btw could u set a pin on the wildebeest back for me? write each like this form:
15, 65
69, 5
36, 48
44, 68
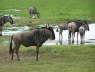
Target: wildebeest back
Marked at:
34, 38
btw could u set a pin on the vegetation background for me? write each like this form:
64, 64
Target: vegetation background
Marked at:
52, 11
52, 58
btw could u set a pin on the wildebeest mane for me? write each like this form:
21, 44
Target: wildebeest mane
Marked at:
39, 36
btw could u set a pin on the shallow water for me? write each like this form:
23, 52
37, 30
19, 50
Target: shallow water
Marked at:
12, 30
89, 36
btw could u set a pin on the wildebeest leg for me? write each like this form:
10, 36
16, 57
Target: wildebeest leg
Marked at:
12, 54
61, 38
1, 30
77, 37
73, 35
82, 38
15, 49
17, 52
38, 15
37, 53
30, 13
34, 15
60, 35
69, 37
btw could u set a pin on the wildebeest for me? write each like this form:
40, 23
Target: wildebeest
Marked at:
60, 29
33, 12
82, 30
73, 26
34, 38
4, 20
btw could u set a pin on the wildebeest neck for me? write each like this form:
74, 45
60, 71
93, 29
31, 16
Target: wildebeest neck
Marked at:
53, 34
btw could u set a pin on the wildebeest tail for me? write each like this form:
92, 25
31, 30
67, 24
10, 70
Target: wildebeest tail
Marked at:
10, 49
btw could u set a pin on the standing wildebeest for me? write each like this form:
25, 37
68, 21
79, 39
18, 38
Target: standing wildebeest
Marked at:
82, 30
35, 38
4, 20
33, 12
73, 26
60, 28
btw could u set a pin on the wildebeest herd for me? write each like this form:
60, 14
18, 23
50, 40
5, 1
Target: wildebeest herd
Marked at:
39, 35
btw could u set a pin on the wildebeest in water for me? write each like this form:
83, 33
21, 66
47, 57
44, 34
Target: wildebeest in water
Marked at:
33, 12
73, 27
34, 38
60, 29
82, 30
4, 20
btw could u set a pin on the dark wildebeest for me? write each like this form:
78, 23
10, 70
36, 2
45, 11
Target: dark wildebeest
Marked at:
35, 38
33, 12
82, 30
4, 20
60, 29
73, 26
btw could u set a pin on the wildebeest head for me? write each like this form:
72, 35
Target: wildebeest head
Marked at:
72, 26
53, 34
86, 25
6, 19
10, 20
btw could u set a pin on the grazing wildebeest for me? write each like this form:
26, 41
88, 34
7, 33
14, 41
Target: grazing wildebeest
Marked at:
33, 12
4, 20
73, 26
60, 29
35, 38
82, 30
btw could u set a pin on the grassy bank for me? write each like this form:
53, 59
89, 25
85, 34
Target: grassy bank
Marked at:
52, 11
51, 59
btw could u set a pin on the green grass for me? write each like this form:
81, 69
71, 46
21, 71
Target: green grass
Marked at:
51, 59
52, 11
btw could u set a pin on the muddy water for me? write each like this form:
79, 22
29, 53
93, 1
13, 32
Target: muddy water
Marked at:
89, 36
